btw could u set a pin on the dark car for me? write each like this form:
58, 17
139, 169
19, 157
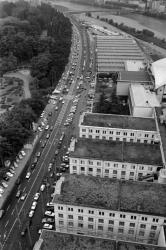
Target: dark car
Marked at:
6, 178
33, 165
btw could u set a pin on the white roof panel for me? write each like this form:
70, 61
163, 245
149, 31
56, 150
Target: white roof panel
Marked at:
159, 71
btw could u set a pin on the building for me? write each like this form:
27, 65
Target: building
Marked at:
118, 127
126, 78
142, 102
107, 208
158, 69
114, 159
132, 65
113, 51
54, 240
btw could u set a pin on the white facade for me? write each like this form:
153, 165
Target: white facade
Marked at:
106, 223
110, 169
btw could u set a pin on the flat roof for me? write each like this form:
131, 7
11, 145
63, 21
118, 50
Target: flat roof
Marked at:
112, 194
55, 240
119, 121
145, 98
118, 151
137, 76
132, 65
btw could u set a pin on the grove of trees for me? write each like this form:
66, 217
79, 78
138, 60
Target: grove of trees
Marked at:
40, 38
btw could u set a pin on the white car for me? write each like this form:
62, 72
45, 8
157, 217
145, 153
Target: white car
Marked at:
47, 226
42, 187
9, 174
28, 175
23, 197
34, 204
20, 156
50, 204
47, 127
40, 129
15, 164
1, 190
49, 213
31, 213
56, 108
36, 196
23, 152
4, 184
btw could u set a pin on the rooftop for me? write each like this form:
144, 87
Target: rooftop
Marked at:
134, 65
135, 76
119, 121
146, 98
111, 194
57, 241
117, 151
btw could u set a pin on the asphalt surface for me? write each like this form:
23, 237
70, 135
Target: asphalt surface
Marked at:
16, 218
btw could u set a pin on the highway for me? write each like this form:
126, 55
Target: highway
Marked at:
16, 216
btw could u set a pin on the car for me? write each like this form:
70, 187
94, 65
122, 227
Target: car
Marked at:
40, 129
47, 136
50, 204
34, 204
15, 164
33, 165
63, 102
47, 127
50, 166
51, 128
23, 197
47, 226
54, 102
4, 184
37, 155
18, 193
11, 171
49, 213
36, 196
28, 175
9, 174
60, 99
48, 220
56, 152
39, 231
23, 152
6, 178
50, 113
1, 190
20, 156
31, 213
43, 144
12, 167
42, 187
56, 108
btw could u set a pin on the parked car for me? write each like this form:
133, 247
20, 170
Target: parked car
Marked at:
4, 184
18, 193
6, 178
34, 204
9, 174
38, 154
31, 213
47, 136
47, 226
23, 197
42, 187
36, 196
49, 213
28, 175
23, 152
48, 220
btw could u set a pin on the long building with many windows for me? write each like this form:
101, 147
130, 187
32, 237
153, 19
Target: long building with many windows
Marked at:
118, 128
114, 159
132, 211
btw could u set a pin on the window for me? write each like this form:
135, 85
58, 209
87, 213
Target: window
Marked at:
61, 222
114, 171
80, 225
107, 164
101, 213
70, 216
80, 217
131, 231
60, 215
123, 172
60, 208
111, 222
90, 219
153, 227
90, 169
107, 171
110, 229
121, 223
132, 166
98, 163
132, 224
112, 214
70, 224
90, 226
104, 132
90, 162
82, 162
82, 169
74, 161
101, 221
74, 168
144, 218
141, 167
118, 133
146, 135
103, 137
133, 217
70, 209
111, 132
125, 133
155, 220
131, 134
143, 226
122, 216
131, 173
83, 130
80, 210
97, 131
120, 230
100, 228
141, 233
98, 170
150, 168
152, 234
91, 212
90, 131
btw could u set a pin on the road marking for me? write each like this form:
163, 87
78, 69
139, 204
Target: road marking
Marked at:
6, 223
25, 187
12, 211
8, 207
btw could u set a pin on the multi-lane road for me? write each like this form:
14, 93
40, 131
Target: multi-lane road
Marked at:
16, 216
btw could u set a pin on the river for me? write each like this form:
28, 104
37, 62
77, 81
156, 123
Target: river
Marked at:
136, 21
